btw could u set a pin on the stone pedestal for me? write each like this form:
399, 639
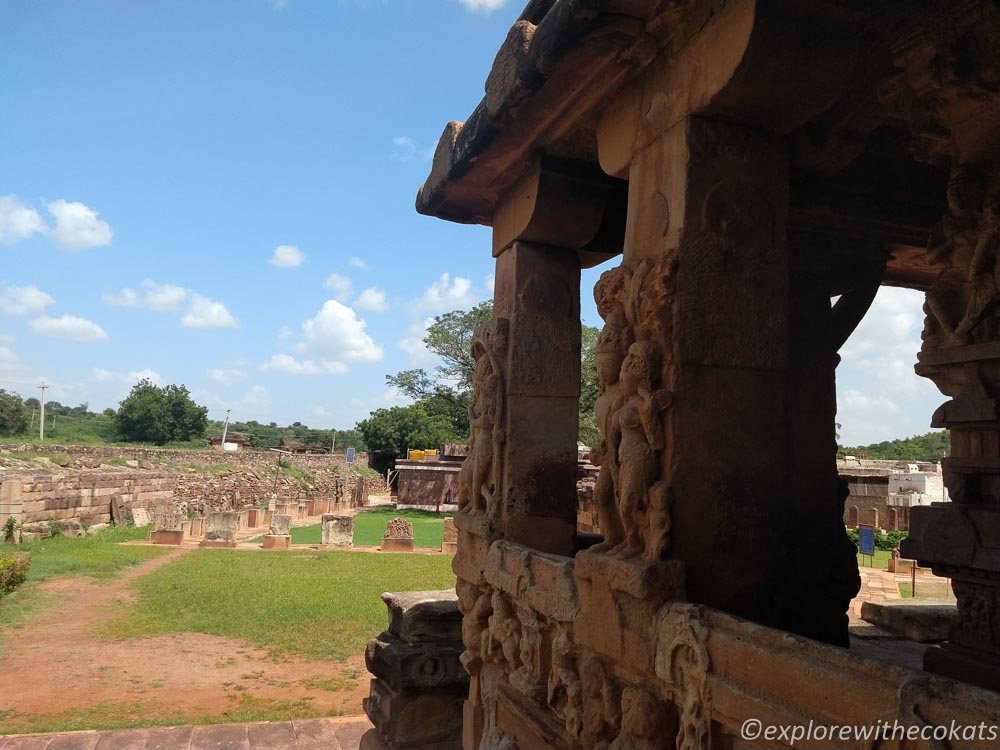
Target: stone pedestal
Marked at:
277, 541
338, 531
221, 529
397, 545
281, 525
167, 536
449, 544
419, 682
398, 536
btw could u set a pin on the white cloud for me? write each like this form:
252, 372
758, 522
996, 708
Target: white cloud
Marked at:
372, 299
17, 221
485, 6
413, 343
68, 327
341, 286
208, 313
287, 363
407, 150
357, 263
255, 399
23, 300
490, 282
129, 378
287, 256
226, 375
285, 334
199, 311
9, 361
447, 294
337, 334
78, 226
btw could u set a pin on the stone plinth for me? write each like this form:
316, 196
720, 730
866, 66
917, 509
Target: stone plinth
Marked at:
255, 518
285, 509
222, 527
419, 683
302, 510
338, 531
280, 525
398, 536
217, 543
167, 536
449, 545
197, 527
277, 541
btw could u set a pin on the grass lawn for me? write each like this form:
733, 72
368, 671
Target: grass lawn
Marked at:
881, 560
428, 526
369, 527
318, 604
99, 556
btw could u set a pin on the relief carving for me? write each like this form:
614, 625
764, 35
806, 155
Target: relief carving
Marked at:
601, 704
682, 663
645, 723
632, 500
565, 691
476, 605
479, 477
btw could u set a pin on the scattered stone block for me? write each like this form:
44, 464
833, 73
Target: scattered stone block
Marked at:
277, 541
338, 531
449, 544
221, 528
281, 525
416, 616
914, 621
167, 536
398, 536
97, 528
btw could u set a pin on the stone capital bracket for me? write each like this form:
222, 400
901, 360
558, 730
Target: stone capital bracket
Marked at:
563, 203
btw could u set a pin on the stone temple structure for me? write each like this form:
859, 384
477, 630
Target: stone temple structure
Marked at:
751, 160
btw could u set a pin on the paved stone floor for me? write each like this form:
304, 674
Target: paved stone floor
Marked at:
305, 734
876, 586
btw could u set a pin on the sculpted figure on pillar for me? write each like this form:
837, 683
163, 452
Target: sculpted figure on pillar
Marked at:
610, 350
478, 491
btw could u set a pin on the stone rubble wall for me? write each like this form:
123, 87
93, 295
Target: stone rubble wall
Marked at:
94, 455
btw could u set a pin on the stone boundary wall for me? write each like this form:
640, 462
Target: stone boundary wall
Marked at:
874, 510
84, 495
246, 459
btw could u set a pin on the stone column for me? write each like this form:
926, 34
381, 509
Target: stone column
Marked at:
537, 291
711, 401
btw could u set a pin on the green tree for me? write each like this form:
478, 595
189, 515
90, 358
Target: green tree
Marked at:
400, 427
150, 414
14, 415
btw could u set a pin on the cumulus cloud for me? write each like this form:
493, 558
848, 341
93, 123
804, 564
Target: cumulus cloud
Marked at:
198, 310
483, 6
23, 300
287, 363
78, 226
448, 293
9, 361
287, 256
337, 334
413, 342
226, 375
68, 327
341, 286
357, 263
372, 299
17, 221
208, 313
406, 149
131, 377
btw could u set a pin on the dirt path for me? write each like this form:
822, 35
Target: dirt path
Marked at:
58, 663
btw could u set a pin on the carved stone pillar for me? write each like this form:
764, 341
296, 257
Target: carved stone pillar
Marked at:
712, 396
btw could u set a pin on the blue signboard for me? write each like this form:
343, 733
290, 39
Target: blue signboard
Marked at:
866, 539
350, 456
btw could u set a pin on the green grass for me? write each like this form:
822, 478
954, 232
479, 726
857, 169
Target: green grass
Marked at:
881, 560
323, 605
245, 707
99, 556
428, 527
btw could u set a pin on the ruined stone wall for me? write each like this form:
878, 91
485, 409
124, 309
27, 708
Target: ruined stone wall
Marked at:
88, 496
94, 455
427, 483
587, 520
874, 510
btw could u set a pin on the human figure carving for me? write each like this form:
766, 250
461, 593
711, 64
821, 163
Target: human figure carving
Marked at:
642, 440
505, 632
601, 705
565, 693
475, 492
642, 722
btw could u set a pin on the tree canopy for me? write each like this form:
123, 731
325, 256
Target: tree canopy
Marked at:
150, 414
931, 446
13, 414
400, 427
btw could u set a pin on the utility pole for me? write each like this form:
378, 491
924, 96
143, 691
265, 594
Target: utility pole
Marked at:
41, 418
225, 429
333, 445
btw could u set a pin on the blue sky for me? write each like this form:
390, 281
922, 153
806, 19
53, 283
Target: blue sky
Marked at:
221, 194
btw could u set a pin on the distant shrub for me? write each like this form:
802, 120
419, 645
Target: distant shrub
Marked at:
883, 541
10, 529
13, 570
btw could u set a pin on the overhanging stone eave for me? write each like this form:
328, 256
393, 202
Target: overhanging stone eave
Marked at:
477, 161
